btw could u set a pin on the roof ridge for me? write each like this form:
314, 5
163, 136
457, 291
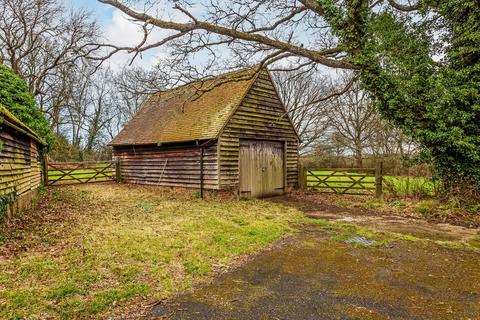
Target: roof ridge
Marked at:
207, 79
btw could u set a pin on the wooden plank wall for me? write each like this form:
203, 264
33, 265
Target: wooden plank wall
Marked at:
168, 166
20, 166
259, 116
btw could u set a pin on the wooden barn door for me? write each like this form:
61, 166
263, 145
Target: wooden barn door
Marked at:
261, 168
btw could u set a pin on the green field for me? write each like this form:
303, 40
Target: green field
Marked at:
392, 185
81, 174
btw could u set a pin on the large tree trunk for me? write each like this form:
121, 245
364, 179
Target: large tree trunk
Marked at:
359, 158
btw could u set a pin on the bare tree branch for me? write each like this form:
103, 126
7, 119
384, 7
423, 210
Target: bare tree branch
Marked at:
403, 7
318, 56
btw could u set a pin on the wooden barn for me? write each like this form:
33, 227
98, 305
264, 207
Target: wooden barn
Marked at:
227, 133
20, 163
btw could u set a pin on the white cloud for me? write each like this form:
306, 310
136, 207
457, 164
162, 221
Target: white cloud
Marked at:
123, 32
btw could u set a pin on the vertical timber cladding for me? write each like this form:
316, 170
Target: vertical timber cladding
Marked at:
177, 166
260, 116
261, 168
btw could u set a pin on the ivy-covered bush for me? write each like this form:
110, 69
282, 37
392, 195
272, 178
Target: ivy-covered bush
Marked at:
423, 70
431, 88
15, 96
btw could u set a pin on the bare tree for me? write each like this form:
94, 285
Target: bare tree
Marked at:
252, 31
208, 37
42, 42
51, 48
354, 122
74, 113
134, 85
101, 109
300, 92
99, 103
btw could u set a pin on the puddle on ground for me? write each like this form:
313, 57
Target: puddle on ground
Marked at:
361, 241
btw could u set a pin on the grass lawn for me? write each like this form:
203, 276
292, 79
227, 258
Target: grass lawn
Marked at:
93, 251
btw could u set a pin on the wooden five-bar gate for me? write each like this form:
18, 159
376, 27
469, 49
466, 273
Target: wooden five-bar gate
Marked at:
356, 181
62, 173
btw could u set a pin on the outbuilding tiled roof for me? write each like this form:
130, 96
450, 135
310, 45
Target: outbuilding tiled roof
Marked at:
7, 118
195, 111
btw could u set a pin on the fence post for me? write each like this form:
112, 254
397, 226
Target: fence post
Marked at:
45, 170
301, 176
379, 179
118, 171
202, 154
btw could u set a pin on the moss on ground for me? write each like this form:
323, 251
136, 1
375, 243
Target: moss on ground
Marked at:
343, 231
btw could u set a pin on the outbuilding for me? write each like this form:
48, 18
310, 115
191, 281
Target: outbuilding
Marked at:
231, 132
21, 161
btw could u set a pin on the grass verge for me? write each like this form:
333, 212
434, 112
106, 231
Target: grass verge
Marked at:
343, 231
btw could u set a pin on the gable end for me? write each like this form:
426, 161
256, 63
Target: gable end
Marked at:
260, 115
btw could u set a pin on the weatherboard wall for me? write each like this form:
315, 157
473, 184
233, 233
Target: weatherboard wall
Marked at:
260, 115
170, 166
20, 166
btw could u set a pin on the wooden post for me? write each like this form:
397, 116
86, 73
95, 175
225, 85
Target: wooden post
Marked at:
45, 170
301, 176
201, 171
118, 171
379, 179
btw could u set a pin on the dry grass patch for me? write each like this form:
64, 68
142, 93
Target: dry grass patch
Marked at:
92, 251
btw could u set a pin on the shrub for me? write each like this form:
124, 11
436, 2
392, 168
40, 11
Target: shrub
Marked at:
16, 97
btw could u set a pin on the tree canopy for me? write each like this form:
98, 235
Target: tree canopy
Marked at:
16, 97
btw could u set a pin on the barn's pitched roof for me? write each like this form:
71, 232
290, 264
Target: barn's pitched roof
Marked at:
195, 111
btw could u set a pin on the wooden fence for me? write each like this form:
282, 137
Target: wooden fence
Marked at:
63, 173
357, 181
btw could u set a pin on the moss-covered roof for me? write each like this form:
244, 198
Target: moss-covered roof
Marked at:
6, 117
195, 111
